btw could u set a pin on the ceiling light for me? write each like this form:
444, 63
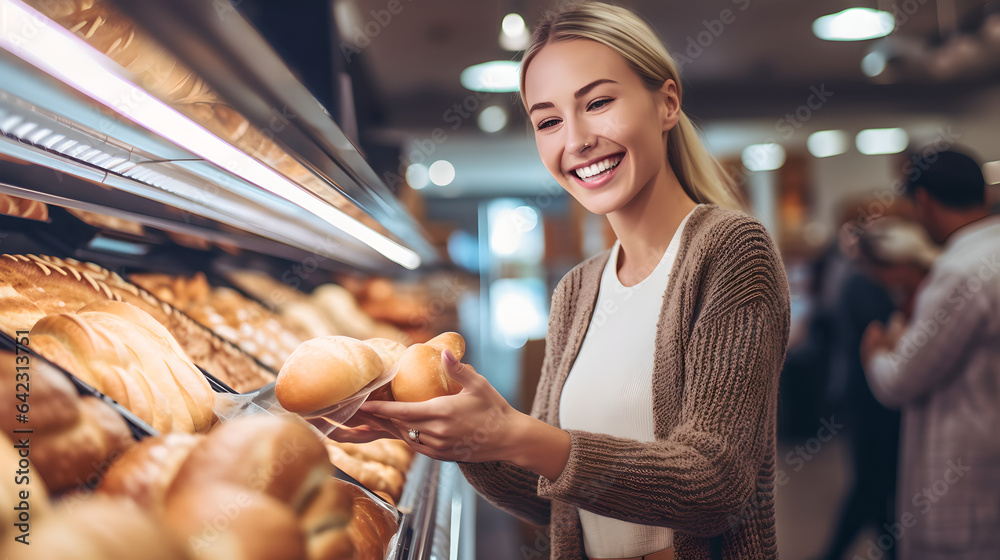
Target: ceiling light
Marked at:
492, 119
514, 34
513, 25
991, 171
873, 64
417, 176
854, 24
879, 141
442, 172
68, 58
494, 76
827, 143
763, 157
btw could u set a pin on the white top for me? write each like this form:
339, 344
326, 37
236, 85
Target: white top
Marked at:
609, 389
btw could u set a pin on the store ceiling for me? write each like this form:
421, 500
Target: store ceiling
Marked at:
766, 58
754, 71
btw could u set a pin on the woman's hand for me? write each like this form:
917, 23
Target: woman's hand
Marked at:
473, 425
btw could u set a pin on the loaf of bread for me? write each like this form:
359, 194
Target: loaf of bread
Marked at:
233, 522
123, 352
421, 374
95, 528
23, 207
371, 528
106, 29
146, 471
382, 301
324, 371
43, 285
227, 313
391, 452
282, 457
73, 439
108, 222
326, 519
376, 477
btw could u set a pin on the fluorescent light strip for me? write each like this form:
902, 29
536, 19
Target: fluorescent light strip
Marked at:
58, 52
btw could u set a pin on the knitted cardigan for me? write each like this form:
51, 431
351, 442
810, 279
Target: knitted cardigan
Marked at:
720, 345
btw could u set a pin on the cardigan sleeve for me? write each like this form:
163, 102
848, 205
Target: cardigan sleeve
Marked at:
700, 478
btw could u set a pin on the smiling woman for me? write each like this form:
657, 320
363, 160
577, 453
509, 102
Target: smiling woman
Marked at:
653, 428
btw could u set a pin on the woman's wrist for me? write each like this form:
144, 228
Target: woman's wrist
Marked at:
536, 446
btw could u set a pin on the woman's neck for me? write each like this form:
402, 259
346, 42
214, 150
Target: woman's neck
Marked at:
646, 225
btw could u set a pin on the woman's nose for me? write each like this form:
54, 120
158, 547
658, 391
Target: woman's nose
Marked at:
579, 139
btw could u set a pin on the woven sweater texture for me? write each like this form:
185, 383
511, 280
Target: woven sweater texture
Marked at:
720, 344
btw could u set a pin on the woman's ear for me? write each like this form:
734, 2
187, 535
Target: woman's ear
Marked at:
669, 103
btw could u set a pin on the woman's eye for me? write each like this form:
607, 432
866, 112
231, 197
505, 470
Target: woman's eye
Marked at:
598, 103
547, 123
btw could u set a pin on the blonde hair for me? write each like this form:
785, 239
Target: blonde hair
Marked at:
700, 174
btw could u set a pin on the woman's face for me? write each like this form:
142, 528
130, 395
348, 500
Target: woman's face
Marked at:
599, 130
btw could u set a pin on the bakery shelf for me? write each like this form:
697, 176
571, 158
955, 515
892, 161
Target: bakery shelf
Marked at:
439, 518
321, 198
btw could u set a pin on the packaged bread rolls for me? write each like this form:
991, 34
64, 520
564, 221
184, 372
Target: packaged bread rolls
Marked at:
421, 373
390, 351
324, 371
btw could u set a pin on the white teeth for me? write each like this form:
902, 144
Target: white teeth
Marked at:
599, 167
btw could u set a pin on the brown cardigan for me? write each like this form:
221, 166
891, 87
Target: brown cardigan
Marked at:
709, 475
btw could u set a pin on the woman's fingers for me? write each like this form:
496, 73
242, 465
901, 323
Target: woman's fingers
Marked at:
463, 373
405, 411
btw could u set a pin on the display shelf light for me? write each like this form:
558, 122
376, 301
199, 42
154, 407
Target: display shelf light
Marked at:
59, 53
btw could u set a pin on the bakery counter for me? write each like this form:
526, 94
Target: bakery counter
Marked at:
439, 514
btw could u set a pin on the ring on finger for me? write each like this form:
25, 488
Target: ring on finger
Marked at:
414, 435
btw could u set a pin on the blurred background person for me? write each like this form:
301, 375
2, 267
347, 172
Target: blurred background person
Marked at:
941, 366
890, 259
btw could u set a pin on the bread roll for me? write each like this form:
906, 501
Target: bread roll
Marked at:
371, 528
145, 472
80, 454
231, 522
325, 522
95, 528
324, 371
53, 398
374, 476
390, 351
73, 439
391, 452
422, 375
282, 457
